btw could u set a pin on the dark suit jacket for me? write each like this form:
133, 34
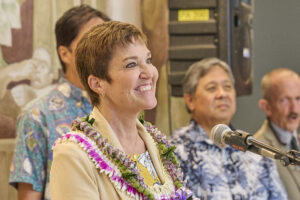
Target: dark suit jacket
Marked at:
290, 175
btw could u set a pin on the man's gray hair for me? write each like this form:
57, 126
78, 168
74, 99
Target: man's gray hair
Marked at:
200, 69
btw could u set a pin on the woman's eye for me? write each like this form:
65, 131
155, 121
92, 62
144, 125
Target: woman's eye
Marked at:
149, 60
130, 65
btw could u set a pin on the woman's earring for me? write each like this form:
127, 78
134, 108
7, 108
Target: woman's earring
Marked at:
102, 94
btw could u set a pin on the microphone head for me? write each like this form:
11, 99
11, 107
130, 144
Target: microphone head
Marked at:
217, 133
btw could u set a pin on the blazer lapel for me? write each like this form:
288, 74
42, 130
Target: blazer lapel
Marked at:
271, 137
152, 149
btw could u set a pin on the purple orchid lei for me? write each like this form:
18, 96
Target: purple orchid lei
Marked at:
120, 168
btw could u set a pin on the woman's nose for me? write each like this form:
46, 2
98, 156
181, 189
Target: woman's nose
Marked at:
146, 72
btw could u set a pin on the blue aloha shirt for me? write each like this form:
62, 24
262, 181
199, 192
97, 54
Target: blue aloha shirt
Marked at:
39, 125
225, 173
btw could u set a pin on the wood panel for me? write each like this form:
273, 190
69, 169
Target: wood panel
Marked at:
7, 192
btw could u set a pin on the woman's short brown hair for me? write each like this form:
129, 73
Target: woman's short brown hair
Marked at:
95, 50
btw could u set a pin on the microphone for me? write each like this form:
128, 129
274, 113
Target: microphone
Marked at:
221, 134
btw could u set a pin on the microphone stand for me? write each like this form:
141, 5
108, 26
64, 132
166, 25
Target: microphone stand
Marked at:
286, 158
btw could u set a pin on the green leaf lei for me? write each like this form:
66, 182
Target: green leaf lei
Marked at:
125, 164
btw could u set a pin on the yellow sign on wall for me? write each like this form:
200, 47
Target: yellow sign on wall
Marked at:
185, 15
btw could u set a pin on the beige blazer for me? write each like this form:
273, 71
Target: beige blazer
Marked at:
290, 175
74, 176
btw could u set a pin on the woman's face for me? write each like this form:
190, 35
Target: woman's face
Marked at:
133, 79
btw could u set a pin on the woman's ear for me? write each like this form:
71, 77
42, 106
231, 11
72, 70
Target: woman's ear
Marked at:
264, 105
96, 84
189, 101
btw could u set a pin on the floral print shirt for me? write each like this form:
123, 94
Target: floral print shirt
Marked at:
39, 125
212, 172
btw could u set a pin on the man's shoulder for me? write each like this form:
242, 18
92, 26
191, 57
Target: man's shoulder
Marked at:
179, 132
180, 135
58, 95
263, 130
189, 137
266, 134
40, 102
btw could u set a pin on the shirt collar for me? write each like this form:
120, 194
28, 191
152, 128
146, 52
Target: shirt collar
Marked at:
285, 137
198, 133
70, 90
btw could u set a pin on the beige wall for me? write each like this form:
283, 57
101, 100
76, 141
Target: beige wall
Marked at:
6, 151
124, 10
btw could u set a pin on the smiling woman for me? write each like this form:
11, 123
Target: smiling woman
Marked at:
111, 154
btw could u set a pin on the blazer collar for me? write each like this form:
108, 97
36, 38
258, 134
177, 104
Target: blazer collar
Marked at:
271, 136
